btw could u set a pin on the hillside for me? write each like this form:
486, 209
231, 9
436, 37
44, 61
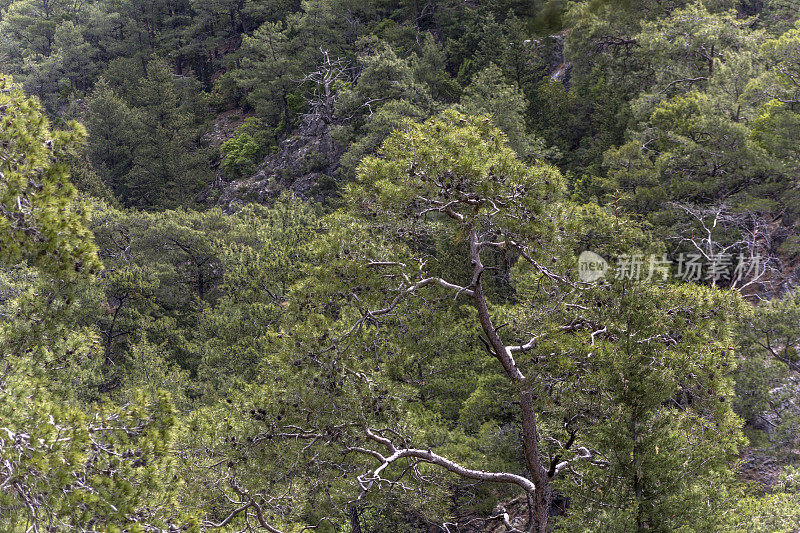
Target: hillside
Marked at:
416, 266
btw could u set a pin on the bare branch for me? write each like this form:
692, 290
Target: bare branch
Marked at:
367, 480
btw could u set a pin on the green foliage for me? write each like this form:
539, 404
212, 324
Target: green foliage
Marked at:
672, 386
146, 141
766, 384
109, 471
490, 94
530, 131
268, 71
262, 258
241, 153
387, 93
669, 431
70, 465
42, 221
467, 154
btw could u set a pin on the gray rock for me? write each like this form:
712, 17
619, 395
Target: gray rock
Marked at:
305, 163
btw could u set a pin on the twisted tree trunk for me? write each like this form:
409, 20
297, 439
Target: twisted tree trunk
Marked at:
537, 471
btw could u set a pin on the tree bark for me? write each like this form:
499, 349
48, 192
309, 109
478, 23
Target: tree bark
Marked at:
538, 473
355, 523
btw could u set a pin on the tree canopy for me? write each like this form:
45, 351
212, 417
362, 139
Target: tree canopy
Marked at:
417, 266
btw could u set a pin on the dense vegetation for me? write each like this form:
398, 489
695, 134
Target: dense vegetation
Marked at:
269, 265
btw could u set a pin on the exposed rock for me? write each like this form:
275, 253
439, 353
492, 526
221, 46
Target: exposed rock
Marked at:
560, 70
225, 126
759, 467
223, 129
304, 163
562, 73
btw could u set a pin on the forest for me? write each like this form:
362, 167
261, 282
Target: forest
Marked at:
387, 266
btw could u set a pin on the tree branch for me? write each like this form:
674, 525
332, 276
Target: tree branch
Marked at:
367, 480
